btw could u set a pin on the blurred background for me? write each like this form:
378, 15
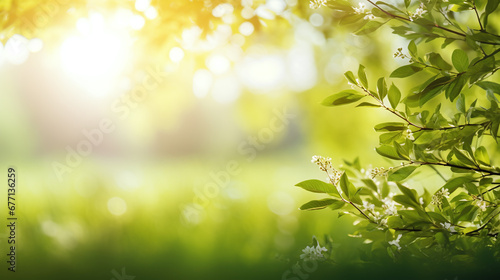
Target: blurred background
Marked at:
166, 137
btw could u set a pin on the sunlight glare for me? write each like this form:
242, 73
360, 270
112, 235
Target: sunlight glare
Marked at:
95, 57
176, 54
202, 82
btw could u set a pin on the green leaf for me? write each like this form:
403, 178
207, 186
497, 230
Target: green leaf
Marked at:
412, 48
412, 194
455, 87
369, 183
394, 96
431, 90
389, 137
455, 183
341, 98
462, 156
317, 186
388, 152
317, 204
436, 60
368, 104
405, 71
437, 217
441, 239
390, 126
395, 222
460, 60
491, 6
461, 104
486, 85
362, 76
337, 204
401, 173
404, 200
382, 88
369, 27
482, 156
402, 151
350, 77
344, 184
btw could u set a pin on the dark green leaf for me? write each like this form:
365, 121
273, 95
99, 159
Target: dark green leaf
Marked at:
405, 71
455, 87
368, 104
341, 98
462, 157
391, 126
455, 183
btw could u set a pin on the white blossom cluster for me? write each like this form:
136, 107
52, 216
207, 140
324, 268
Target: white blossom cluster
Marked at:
361, 10
438, 197
418, 12
315, 4
312, 253
325, 164
481, 204
449, 227
379, 171
409, 134
389, 206
395, 242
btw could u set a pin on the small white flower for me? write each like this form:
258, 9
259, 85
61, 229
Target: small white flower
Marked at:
312, 253
389, 206
369, 16
418, 12
449, 227
360, 9
395, 242
368, 206
481, 204
409, 134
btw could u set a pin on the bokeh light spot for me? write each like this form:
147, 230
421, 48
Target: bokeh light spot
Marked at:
117, 206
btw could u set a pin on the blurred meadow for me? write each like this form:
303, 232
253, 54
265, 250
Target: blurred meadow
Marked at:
211, 103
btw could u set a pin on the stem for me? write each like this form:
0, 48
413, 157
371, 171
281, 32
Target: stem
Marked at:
489, 55
494, 188
447, 164
409, 20
485, 224
420, 128
477, 15
454, 127
342, 197
390, 109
